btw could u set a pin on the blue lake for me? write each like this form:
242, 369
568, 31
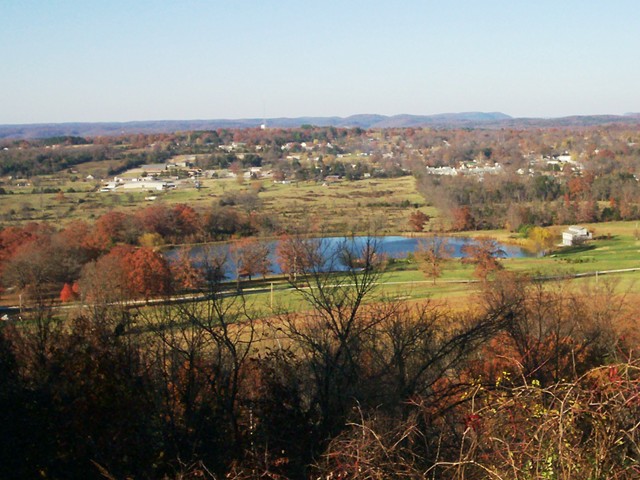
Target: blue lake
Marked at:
392, 246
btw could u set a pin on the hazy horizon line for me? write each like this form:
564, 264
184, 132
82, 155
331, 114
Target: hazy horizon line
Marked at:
294, 117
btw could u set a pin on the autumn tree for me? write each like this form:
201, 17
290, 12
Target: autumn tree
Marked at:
124, 273
431, 253
113, 228
104, 288
220, 222
542, 238
251, 257
14, 238
295, 255
484, 253
187, 221
157, 219
34, 271
186, 273
148, 273
75, 242
150, 240
67, 294
417, 220
462, 219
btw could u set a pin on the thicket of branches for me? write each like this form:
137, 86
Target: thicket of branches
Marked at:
533, 381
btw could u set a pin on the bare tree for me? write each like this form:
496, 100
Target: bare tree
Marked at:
203, 348
328, 339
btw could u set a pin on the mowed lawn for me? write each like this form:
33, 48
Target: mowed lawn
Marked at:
614, 248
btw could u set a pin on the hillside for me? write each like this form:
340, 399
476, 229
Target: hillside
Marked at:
366, 121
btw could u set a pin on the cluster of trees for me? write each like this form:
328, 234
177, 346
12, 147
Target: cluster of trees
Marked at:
40, 260
605, 189
40, 161
50, 155
525, 384
513, 202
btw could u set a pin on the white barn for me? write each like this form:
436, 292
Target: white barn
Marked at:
574, 235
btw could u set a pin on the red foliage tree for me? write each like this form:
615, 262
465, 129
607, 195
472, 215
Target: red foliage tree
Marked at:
187, 221
67, 294
157, 219
417, 220
13, 238
132, 272
113, 228
148, 273
462, 219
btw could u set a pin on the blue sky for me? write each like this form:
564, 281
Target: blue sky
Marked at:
89, 60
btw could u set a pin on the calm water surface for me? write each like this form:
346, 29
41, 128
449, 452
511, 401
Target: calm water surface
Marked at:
392, 246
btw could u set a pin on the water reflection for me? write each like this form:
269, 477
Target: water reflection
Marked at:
391, 246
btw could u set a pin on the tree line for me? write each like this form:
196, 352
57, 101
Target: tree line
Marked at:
516, 202
39, 260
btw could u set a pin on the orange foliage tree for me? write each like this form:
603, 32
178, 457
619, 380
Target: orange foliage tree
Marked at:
186, 219
148, 273
462, 219
127, 272
251, 257
432, 252
113, 228
484, 254
417, 220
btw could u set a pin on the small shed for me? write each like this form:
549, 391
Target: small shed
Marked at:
575, 235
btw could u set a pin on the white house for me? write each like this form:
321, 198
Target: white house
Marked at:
575, 235
148, 185
442, 171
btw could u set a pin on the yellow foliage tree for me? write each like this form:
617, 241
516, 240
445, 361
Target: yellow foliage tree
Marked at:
150, 240
542, 238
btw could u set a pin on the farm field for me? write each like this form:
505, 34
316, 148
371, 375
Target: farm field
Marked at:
349, 207
383, 204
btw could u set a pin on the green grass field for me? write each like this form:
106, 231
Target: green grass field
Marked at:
617, 250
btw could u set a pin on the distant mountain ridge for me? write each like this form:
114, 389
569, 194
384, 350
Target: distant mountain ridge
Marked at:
365, 121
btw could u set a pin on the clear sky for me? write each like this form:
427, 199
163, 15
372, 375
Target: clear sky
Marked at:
122, 60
